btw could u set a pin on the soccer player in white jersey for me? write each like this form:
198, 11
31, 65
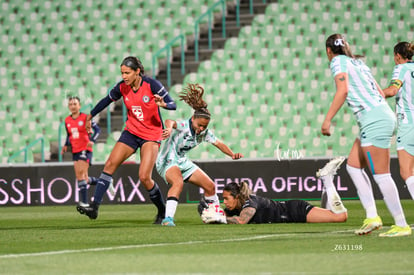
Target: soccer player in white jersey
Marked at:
402, 86
182, 136
377, 122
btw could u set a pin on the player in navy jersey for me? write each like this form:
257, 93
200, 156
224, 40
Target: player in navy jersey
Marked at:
81, 142
182, 136
142, 97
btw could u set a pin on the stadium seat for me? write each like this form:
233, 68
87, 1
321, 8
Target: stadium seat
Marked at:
280, 56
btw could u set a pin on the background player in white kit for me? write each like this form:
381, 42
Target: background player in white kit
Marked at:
402, 86
182, 136
356, 85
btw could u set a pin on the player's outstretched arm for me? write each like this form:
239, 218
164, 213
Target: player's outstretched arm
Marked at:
226, 150
169, 125
245, 216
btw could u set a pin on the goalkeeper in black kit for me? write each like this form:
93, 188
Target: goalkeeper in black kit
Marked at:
243, 207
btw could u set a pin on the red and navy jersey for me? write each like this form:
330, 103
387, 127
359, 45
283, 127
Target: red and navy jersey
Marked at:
78, 137
144, 118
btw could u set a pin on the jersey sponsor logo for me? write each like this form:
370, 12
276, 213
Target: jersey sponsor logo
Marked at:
145, 98
137, 111
75, 133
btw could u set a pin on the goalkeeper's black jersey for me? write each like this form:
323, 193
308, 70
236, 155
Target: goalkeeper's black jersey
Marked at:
268, 211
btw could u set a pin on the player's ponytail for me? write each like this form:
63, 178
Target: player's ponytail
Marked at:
133, 63
405, 49
239, 190
338, 44
193, 96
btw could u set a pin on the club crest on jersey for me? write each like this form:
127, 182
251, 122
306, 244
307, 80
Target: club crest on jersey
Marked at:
145, 98
80, 123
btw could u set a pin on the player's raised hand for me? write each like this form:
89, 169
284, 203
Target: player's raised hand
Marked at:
159, 101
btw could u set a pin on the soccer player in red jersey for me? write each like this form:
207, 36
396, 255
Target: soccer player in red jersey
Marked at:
80, 141
142, 97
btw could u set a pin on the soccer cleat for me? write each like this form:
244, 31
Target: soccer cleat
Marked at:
158, 219
111, 189
397, 231
203, 204
168, 221
369, 225
83, 204
80, 207
90, 211
331, 167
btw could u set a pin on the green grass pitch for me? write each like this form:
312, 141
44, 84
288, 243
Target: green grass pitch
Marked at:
123, 240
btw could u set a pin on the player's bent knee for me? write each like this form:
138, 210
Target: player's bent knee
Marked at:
342, 217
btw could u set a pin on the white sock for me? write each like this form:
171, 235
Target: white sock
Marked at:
410, 186
333, 200
364, 189
213, 198
391, 197
170, 207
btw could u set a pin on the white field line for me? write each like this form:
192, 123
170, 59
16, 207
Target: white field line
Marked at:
98, 249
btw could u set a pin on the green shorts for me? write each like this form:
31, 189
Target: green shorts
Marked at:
405, 138
186, 166
377, 127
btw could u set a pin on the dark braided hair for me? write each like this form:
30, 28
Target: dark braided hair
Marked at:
405, 49
193, 96
133, 63
338, 44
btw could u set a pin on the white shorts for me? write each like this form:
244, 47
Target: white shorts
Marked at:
405, 138
187, 167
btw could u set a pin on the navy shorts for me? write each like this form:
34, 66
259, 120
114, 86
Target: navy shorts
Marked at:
84, 155
132, 140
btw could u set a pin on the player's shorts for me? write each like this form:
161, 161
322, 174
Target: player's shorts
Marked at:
296, 211
132, 140
405, 138
377, 127
187, 167
84, 155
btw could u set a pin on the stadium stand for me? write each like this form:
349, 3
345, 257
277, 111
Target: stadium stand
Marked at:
269, 86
